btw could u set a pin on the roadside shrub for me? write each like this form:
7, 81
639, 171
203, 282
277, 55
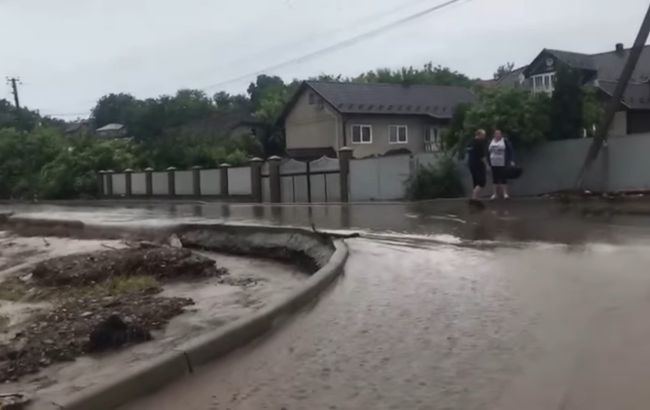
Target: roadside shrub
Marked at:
440, 180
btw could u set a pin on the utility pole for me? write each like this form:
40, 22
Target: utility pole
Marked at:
14, 81
615, 102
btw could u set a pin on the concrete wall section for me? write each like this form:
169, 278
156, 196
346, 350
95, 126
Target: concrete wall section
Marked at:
266, 189
184, 183
210, 182
379, 179
119, 184
239, 181
551, 167
159, 184
628, 162
106, 177
139, 183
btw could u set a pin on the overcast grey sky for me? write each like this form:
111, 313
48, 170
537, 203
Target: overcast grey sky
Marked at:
68, 53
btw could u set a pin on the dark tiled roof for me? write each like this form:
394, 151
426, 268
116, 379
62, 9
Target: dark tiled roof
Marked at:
512, 78
379, 98
636, 96
610, 65
575, 60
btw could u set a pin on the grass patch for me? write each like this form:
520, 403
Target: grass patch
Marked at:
122, 285
13, 290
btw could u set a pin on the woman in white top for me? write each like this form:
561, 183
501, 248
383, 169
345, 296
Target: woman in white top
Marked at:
500, 158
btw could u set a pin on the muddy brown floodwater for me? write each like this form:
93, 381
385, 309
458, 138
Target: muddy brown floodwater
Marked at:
522, 307
535, 327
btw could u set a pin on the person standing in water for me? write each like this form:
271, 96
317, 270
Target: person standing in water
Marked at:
477, 163
501, 157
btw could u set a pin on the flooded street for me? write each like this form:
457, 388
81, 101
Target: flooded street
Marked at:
449, 327
527, 307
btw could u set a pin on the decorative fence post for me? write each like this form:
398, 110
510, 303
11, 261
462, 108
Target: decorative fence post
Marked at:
171, 181
223, 178
256, 179
100, 183
109, 182
196, 180
148, 180
128, 182
274, 179
345, 155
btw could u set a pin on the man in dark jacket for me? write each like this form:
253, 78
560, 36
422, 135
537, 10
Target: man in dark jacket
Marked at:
477, 162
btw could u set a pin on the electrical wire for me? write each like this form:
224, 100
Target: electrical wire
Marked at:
337, 46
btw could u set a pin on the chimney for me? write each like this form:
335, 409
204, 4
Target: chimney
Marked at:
620, 48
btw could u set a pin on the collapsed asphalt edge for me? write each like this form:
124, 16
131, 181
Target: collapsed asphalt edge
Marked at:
153, 374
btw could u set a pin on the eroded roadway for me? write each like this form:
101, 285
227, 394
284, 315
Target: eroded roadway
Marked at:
505, 310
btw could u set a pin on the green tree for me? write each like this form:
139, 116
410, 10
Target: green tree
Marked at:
428, 74
523, 117
567, 105
503, 70
22, 155
593, 110
21, 119
115, 108
227, 102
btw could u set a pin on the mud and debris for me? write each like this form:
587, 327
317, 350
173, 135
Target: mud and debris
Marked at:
85, 325
101, 300
61, 336
159, 262
14, 401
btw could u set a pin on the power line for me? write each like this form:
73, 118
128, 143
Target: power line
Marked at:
342, 44
363, 21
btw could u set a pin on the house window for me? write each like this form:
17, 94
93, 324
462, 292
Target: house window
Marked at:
312, 98
397, 134
432, 141
544, 83
362, 134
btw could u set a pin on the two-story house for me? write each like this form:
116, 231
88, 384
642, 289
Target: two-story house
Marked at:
372, 119
600, 71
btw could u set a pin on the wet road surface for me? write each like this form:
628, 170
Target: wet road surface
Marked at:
447, 327
510, 309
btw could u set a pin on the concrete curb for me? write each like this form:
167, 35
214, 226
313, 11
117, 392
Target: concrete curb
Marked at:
182, 361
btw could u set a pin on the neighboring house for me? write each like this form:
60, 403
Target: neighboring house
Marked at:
111, 131
601, 71
372, 119
227, 124
78, 127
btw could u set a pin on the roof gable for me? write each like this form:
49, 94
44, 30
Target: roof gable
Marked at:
606, 66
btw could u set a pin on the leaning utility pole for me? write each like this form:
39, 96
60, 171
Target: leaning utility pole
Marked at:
13, 81
615, 102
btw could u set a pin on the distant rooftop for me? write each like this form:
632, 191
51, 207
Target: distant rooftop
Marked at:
111, 127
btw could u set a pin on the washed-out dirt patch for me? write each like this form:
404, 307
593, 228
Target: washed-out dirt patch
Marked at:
199, 303
101, 300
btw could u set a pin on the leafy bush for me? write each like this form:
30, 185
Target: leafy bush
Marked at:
440, 180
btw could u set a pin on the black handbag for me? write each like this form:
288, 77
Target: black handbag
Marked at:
514, 172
